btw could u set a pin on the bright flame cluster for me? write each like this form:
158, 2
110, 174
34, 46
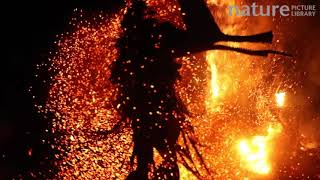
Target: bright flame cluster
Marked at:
280, 98
255, 153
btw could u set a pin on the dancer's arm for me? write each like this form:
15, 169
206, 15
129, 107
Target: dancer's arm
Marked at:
202, 33
198, 19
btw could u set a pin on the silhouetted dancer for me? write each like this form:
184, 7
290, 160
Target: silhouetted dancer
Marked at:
145, 73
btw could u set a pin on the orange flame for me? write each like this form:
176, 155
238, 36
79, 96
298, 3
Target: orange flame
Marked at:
255, 153
214, 76
280, 98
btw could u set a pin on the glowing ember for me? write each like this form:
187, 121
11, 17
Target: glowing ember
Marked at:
280, 98
255, 153
80, 98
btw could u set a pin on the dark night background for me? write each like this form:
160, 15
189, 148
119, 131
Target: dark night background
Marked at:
29, 28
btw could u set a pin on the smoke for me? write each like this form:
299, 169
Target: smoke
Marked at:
309, 57
301, 37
